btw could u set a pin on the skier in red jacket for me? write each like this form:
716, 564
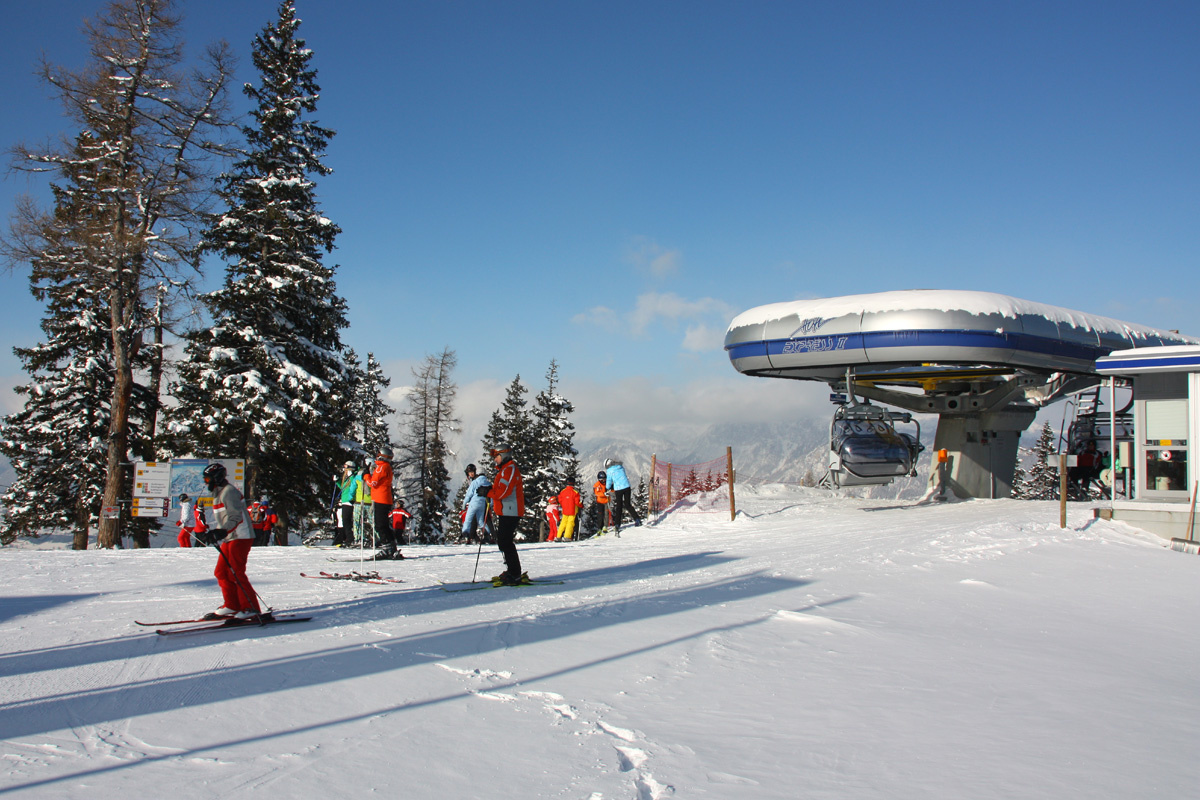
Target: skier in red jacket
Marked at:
553, 516
400, 518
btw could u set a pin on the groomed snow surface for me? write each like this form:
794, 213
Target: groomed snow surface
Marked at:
815, 647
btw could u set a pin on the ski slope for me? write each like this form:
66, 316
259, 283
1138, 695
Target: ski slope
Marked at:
815, 647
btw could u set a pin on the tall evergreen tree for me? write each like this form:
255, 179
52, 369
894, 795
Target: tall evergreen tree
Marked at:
268, 379
56, 442
641, 498
429, 421
145, 130
510, 426
1019, 478
369, 413
1042, 480
551, 457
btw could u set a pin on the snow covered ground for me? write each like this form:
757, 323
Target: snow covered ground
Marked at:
815, 647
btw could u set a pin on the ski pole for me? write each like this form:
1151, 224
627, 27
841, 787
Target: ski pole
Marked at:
477, 555
487, 509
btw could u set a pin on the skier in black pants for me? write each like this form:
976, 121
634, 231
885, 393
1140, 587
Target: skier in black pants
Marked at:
618, 485
508, 499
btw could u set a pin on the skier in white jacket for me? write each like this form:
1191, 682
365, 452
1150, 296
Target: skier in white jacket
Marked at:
235, 536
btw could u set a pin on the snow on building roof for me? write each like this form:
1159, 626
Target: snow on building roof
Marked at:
971, 302
1167, 358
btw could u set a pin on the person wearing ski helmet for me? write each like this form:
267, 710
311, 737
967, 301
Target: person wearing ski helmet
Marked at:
508, 499
553, 518
259, 512
345, 488
400, 518
380, 482
272, 522
618, 484
601, 500
187, 521
475, 505
234, 538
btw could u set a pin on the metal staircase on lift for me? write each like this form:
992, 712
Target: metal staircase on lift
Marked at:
1091, 421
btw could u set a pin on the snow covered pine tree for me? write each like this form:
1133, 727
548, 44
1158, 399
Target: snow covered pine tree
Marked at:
550, 453
268, 379
145, 134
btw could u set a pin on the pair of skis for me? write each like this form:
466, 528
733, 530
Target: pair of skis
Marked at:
201, 624
360, 577
470, 587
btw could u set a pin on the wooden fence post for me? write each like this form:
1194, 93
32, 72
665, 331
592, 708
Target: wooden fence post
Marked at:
729, 466
1062, 490
653, 501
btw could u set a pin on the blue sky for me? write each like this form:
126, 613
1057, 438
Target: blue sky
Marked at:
608, 183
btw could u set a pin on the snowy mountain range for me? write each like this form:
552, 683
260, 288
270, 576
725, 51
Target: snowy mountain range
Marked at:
778, 452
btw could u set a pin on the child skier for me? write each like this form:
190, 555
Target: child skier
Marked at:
601, 493
553, 517
400, 518
186, 522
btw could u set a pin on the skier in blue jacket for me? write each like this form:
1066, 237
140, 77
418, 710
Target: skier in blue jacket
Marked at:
476, 500
618, 485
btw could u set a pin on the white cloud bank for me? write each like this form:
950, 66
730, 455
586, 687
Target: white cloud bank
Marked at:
644, 404
648, 256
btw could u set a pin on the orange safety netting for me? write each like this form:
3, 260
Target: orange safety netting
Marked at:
682, 484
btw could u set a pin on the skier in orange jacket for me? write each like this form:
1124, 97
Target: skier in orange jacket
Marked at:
380, 481
599, 488
508, 500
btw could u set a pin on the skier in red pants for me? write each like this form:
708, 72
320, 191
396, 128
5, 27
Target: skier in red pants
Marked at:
232, 528
187, 521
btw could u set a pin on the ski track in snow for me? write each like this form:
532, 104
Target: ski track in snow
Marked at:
630, 752
638, 678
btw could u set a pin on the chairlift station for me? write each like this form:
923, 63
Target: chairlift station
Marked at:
985, 363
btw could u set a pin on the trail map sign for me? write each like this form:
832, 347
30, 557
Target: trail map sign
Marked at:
151, 507
152, 479
157, 484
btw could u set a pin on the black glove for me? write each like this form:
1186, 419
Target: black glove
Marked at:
215, 535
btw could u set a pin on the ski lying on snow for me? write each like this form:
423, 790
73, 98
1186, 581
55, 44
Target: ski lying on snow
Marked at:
361, 577
470, 587
356, 559
230, 624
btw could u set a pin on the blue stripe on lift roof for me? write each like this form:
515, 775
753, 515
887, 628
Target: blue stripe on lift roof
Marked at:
1119, 365
917, 338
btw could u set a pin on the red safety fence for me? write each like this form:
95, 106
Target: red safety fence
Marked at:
691, 486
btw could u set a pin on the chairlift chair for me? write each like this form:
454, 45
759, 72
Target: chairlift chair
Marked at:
866, 450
